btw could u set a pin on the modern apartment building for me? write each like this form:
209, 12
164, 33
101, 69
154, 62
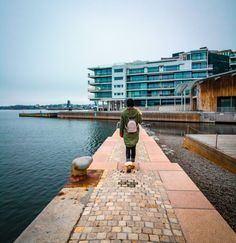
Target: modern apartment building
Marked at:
232, 57
153, 83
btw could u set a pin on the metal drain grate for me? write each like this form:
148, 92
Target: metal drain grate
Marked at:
128, 183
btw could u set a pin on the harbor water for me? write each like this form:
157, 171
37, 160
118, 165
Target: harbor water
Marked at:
35, 162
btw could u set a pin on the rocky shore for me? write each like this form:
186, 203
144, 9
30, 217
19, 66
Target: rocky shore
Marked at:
217, 184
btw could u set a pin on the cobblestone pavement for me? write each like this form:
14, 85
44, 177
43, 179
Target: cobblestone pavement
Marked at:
128, 208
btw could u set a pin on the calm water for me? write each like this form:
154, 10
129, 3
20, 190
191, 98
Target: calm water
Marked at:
180, 129
35, 160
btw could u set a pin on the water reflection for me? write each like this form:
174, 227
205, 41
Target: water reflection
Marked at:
180, 129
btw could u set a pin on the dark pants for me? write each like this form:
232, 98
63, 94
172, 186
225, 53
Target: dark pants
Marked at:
130, 153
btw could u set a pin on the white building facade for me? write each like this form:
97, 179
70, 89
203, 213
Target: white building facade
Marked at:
152, 84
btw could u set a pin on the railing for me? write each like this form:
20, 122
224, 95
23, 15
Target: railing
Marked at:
226, 109
200, 132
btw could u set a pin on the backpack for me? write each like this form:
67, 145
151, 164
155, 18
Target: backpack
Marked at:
131, 126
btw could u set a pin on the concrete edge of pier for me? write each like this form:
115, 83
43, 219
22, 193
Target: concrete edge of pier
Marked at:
199, 220
191, 116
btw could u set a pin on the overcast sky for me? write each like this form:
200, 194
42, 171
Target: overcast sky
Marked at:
47, 46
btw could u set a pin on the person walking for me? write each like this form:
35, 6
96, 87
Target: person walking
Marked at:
130, 119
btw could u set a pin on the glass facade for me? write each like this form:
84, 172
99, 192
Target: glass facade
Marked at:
153, 69
154, 77
171, 68
199, 55
181, 75
103, 95
118, 78
137, 94
136, 70
103, 72
104, 86
136, 78
200, 75
103, 80
118, 86
137, 86
199, 65
118, 70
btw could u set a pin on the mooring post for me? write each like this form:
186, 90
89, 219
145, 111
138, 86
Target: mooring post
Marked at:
79, 167
216, 140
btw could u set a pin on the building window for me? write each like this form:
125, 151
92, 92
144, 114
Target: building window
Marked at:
200, 75
167, 84
153, 102
104, 86
199, 55
167, 102
199, 65
137, 86
118, 70
118, 86
116, 94
166, 93
154, 77
181, 75
171, 68
153, 69
118, 78
104, 71
136, 70
226, 104
167, 76
103, 80
137, 93
103, 95
137, 78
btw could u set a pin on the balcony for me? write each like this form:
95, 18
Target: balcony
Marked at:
91, 82
93, 89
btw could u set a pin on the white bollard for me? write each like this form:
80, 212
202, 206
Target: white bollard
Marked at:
79, 167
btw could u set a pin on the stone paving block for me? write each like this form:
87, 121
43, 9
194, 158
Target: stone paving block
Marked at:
143, 237
127, 229
154, 238
112, 236
189, 199
132, 236
101, 236
204, 226
122, 236
147, 230
177, 180
116, 229
149, 224
75, 236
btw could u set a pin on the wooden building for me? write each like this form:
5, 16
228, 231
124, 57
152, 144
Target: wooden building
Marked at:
216, 93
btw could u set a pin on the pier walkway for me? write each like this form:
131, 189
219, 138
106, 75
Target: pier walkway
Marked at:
156, 203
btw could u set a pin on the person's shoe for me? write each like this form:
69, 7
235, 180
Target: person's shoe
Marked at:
128, 163
128, 166
132, 166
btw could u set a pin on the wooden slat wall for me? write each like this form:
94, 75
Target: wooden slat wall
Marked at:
211, 89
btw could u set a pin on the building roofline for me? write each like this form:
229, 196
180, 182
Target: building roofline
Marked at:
213, 76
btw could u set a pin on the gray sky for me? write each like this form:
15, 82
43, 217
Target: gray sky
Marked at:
47, 46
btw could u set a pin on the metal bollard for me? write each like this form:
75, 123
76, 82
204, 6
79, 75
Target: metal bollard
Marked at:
80, 166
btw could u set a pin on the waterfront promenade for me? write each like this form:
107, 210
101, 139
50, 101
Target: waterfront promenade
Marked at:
158, 202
